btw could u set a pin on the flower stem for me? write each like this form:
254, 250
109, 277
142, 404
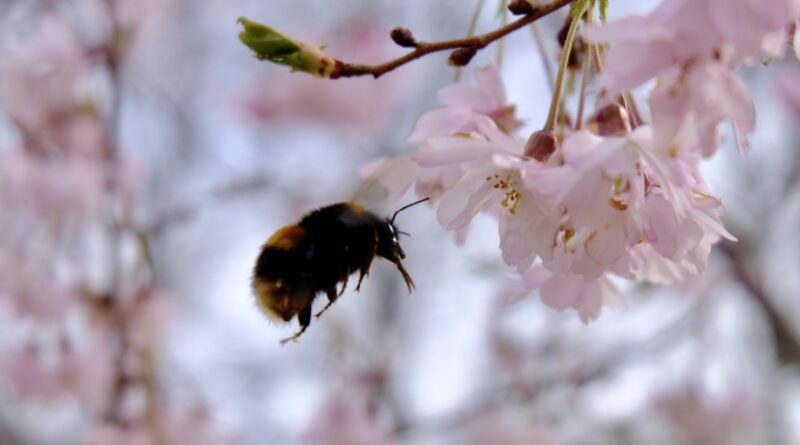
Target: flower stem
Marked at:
473, 28
501, 45
587, 65
562, 68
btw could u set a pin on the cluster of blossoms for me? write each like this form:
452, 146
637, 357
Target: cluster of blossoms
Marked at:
80, 322
621, 196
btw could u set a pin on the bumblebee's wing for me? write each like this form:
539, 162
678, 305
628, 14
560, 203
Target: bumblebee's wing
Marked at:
385, 181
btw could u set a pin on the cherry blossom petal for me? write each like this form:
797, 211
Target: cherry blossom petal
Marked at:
662, 225
562, 292
441, 121
467, 198
386, 180
443, 150
489, 80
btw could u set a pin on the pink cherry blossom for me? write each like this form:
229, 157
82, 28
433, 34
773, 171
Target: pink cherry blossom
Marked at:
684, 239
711, 418
689, 103
625, 204
71, 188
107, 434
788, 87
170, 425
565, 291
616, 193
86, 371
190, 425
601, 189
452, 136
42, 84
26, 373
492, 163
38, 371
509, 428
149, 311
346, 417
463, 102
679, 31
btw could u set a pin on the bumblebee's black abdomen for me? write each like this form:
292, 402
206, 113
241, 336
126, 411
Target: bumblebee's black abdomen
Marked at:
281, 274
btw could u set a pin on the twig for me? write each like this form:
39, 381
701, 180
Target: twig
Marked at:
787, 344
118, 317
424, 48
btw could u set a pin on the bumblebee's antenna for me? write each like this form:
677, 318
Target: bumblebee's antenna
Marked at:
407, 206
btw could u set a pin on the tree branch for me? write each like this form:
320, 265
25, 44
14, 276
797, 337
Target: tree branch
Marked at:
422, 49
787, 343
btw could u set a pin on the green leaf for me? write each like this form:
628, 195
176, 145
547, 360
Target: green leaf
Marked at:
274, 46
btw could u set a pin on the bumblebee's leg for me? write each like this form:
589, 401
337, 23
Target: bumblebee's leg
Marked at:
406, 276
331, 292
344, 285
367, 260
364, 272
304, 317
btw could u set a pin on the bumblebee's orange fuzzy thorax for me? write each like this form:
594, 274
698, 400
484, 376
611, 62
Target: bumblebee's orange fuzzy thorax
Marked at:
356, 208
287, 237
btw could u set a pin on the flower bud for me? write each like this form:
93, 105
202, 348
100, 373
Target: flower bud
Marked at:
403, 37
541, 145
276, 47
611, 120
520, 7
462, 56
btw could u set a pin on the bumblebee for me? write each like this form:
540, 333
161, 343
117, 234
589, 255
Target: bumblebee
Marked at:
323, 249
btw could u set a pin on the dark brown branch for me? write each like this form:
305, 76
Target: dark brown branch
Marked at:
787, 343
477, 42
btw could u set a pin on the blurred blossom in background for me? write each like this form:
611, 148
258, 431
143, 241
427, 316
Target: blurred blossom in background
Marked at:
145, 156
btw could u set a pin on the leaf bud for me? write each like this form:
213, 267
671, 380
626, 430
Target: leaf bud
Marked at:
403, 37
276, 47
462, 56
520, 7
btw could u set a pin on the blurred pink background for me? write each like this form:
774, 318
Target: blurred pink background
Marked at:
145, 156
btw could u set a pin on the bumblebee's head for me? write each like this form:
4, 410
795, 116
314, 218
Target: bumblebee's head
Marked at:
389, 248
388, 244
